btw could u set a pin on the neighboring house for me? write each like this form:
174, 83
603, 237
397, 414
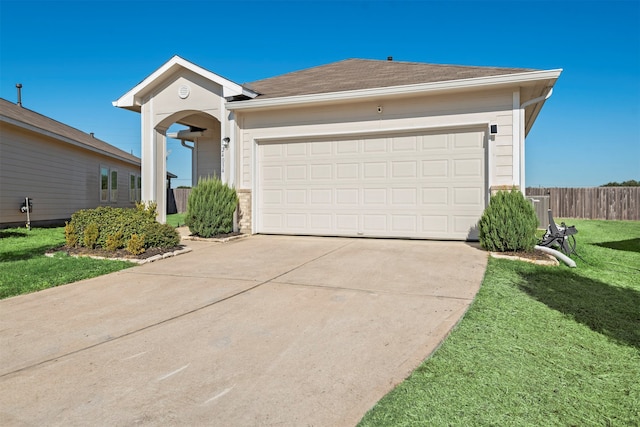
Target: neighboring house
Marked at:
60, 168
352, 148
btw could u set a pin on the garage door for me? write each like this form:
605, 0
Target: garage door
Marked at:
426, 185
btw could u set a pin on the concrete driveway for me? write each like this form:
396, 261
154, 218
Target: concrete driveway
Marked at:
267, 330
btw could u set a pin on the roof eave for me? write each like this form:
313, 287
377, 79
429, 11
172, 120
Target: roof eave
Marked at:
414, 89
131, 100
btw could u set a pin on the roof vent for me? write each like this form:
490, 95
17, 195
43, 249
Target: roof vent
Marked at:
92, 135
389, 58
19, 87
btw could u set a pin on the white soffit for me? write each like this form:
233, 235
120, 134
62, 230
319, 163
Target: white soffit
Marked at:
229, 88
415, 89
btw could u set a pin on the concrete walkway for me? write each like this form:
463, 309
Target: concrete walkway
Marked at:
266, 330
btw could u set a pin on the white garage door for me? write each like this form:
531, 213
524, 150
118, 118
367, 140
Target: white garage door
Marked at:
427, 185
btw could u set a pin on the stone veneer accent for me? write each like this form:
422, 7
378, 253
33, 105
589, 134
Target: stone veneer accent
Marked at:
496, 188
244, 211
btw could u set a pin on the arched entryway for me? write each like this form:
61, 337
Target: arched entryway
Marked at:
181, 92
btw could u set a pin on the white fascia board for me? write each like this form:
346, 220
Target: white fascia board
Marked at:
65, 139
421, 88
229, 88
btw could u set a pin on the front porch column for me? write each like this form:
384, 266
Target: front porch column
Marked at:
153, 162
160, 179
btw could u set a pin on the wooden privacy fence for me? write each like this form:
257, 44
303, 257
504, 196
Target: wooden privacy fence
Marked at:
621, 203
177, 200
615, 203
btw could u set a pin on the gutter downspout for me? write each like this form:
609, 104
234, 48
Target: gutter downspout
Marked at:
523, 130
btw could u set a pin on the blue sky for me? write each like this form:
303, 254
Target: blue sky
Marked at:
75, 58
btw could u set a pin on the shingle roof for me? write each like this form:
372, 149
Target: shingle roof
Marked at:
355, 74
20, 114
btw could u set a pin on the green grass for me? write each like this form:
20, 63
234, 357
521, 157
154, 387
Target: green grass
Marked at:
176, 220
24, 268
539, 345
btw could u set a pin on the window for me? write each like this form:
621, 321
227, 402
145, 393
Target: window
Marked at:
104, 184
114, 186
132, 188
139, 189
135, 183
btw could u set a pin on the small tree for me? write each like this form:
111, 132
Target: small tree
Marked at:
210, 208
509, 223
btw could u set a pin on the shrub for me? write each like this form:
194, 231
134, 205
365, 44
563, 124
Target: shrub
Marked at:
210, 208
509, 223
135, 245
70, 235
114, 241
91, 234
158, 235
117, 225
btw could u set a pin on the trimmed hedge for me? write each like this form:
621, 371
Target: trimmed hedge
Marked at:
509, 223
210, 208
116, 226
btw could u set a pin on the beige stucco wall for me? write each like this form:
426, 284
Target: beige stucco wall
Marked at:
162, 107
59, 177
425, 112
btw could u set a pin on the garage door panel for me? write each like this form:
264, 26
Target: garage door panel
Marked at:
404, 196
434, 223
467, 167
296, 150
374, 196
375, 170
348, 171
273, 173
296, 172
405, 143
321, 148
435, 168
404, 169
297, 197
417, 186
273, 197
435, 142
467, 140
321, 196
467, 196
348, 147
375, 145
347, 223
347, 196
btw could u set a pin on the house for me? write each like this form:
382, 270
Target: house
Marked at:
352, 148
60, 168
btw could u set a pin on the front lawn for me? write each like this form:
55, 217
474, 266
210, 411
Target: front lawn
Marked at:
176, 220
24, 268
539, 345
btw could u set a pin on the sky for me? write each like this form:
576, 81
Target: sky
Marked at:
74, 58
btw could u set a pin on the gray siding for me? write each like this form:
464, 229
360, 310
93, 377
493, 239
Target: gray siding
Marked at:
59, 177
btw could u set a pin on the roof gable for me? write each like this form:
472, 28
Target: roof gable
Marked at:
358, 74
132, 99
28, 119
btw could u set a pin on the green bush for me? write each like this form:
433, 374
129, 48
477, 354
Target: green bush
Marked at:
158, 235
509, 223
125, 222
114, 241
135, 245
90, 235
210, 208
70, 235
